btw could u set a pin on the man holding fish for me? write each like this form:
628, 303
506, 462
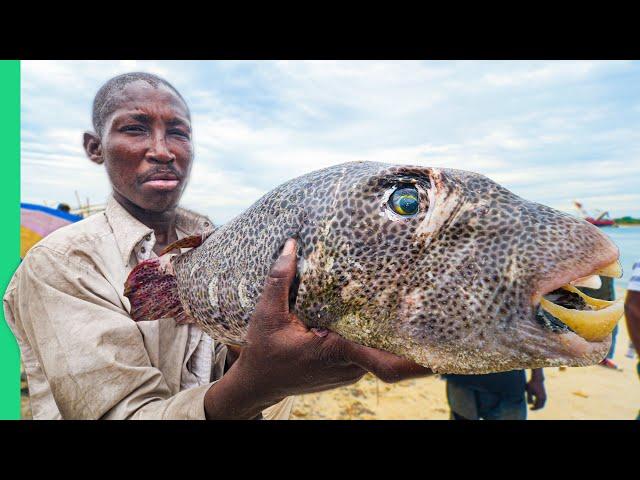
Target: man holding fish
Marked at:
398, 270
86, 359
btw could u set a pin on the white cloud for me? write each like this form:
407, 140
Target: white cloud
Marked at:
549, 131
526, 73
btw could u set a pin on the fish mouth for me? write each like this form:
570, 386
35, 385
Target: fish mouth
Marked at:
562, 308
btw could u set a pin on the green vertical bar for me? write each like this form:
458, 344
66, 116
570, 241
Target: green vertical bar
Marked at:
10, 222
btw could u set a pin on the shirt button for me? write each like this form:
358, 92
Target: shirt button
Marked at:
206, 224
142, 249
148, 237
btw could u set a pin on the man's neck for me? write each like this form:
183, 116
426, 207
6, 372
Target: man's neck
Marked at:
162, 223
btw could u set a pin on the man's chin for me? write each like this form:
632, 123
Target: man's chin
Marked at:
159, 201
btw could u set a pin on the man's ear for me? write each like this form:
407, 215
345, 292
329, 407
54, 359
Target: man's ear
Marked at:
93, 147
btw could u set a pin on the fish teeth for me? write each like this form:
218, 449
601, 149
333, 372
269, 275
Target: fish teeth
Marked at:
592, 325
592, 281
613, 270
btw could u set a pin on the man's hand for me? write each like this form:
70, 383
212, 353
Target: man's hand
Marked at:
536, 393
233, 352
283, 357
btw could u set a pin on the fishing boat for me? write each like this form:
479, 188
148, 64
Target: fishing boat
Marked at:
602, 220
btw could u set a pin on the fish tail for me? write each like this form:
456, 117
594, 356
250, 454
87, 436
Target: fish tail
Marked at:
153, 292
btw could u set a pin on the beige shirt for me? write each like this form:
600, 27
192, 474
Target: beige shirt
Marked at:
83, 355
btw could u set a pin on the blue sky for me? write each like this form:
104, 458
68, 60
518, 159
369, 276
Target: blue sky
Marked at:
549, 131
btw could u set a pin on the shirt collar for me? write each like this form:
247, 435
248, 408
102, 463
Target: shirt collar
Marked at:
129, 231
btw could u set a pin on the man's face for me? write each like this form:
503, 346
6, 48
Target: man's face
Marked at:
146, 147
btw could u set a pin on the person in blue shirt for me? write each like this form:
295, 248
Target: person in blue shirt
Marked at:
495, 396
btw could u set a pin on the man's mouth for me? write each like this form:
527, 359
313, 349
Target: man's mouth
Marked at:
166, 181
567, 309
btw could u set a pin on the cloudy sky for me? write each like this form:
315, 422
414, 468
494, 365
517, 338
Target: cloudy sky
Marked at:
549, 131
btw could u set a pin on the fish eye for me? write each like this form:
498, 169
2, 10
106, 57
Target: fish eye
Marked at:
405, 201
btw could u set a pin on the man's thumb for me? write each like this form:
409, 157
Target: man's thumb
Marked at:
275, 295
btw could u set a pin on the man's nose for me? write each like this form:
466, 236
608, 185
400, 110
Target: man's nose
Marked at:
158, 150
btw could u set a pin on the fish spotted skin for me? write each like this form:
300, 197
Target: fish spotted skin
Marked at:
450, 287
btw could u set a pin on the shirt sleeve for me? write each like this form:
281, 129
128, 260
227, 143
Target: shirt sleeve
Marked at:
634, 282
90, 350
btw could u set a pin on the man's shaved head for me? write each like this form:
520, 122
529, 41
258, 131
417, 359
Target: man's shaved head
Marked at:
107, 98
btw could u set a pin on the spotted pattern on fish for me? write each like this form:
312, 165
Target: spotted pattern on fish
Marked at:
450, 287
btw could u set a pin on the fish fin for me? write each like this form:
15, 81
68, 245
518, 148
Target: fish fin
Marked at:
188, 242
153, 293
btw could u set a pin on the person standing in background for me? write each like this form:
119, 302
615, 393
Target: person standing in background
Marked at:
632, 312
495, 396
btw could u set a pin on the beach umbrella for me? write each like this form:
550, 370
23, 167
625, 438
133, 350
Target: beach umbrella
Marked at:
38, 221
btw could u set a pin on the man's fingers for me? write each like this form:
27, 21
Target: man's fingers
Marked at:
386, 366
274, 300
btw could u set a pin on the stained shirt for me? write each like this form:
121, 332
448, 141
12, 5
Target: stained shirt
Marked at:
84, 357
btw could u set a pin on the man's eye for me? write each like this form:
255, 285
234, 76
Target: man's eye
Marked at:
405, 201
179, 133
133, 128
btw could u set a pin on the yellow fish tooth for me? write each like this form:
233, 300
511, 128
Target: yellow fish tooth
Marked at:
613, 270
592, 281
592, 302
592, 325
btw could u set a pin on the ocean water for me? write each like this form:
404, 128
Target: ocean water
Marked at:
628, 241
